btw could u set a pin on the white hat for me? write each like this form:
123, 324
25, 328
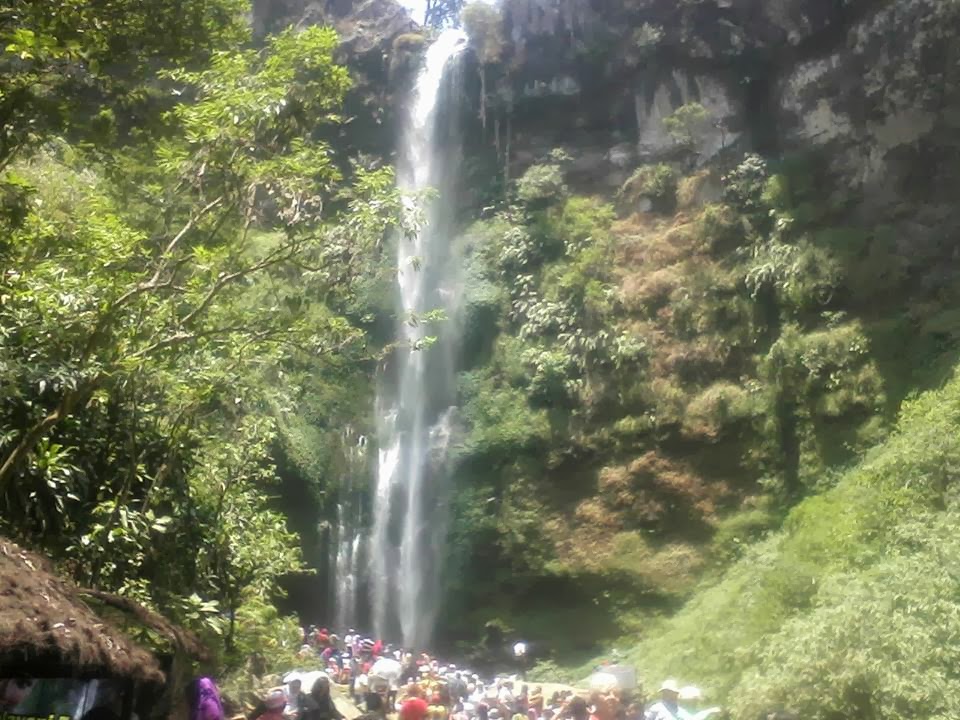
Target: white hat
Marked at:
670, 685
690, 692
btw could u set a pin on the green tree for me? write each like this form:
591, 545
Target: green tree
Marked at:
159, 296
63, 63
441, 13
687, 123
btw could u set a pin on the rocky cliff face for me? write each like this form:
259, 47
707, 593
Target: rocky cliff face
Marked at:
830, 268
761, 321
872, 83
380, 43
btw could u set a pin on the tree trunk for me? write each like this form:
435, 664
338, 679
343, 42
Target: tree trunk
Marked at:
231, 631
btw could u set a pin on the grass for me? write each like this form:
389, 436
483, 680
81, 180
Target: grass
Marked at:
716, 640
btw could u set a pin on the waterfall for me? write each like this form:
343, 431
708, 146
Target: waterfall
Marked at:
417, 389
347, 546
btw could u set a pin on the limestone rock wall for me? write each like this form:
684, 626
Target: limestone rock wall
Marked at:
873, 83
887, 95
372, 34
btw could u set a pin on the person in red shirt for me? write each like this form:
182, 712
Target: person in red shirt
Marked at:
414, 708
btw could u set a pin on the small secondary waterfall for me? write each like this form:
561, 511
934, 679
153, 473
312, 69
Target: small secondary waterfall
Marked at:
414, 405
347, 546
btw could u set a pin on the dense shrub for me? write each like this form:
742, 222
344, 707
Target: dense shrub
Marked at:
828, 612
541, 185
879, 642
687, 123
655, 183
720, 406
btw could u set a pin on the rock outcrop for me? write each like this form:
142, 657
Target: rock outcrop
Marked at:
377, 38
884, 102
874, 84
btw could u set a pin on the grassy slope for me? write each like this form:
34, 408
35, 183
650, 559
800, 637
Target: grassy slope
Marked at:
836, 549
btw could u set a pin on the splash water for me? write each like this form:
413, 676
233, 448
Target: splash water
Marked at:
414, 405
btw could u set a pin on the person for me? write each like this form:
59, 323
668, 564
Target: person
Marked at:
14, 691
668, 707
414, 707
296, 702
505, 696
320, 705
437, 709
520, 705
576, 709
535, 703
204, 699
460, 711
271, 707
458, 687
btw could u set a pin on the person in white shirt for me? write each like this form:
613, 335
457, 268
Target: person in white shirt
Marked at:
667, 708
505, 696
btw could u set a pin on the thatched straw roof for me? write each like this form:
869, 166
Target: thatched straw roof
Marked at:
47, 630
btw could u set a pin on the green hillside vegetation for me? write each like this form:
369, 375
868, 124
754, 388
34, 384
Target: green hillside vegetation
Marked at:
653, 385
853, 605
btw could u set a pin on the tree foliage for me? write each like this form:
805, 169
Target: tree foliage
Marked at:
159, 288
484, 26
442, 13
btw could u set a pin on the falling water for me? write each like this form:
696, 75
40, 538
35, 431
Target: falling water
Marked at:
417, 390
347, 546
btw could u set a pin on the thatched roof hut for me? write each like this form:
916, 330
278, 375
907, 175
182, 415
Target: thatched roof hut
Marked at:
46, 629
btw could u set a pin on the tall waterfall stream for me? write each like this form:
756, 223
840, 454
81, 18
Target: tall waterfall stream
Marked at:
417, 390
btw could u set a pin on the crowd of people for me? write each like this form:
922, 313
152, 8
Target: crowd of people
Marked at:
383, 680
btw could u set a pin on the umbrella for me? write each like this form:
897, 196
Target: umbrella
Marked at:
306, 678
387, 668
604, 682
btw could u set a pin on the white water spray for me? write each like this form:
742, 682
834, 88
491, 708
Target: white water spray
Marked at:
414, 404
